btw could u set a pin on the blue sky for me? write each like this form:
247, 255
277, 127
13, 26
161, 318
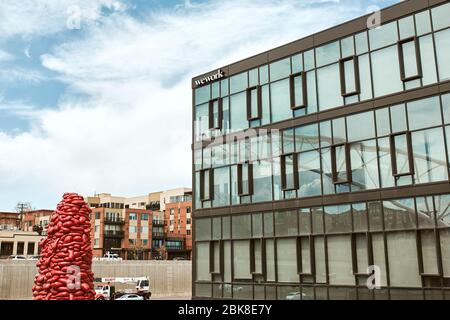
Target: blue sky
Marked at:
106, 107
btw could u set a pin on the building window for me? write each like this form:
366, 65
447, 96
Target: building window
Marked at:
245, 179
350, 84
409, 55
215, 113
241, 260
216, 257
144, 217
340, 164
132, 229
131, 242
188, 232
144, 242
289, 172
30, 249
188, 209
206, 183
133, 216
188, 221
299, 94
20, 248
401, 154
254, 103
97, 215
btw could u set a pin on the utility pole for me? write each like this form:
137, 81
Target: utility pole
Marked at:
21, 208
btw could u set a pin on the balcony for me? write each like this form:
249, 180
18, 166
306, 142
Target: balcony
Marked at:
158, 223
158, 235
114, 221
114, 234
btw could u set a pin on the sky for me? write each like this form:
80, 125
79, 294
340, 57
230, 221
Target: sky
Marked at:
95, 95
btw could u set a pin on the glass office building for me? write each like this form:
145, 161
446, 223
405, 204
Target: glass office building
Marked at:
322, 166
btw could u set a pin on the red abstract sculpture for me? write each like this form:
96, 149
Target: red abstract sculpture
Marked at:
65, 266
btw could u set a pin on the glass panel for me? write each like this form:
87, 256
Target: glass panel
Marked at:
226, 229
359, 217
227, 261
442, 49
386, 71
327, 54
201, 124
215, 88
379, 257
428, 60
304, 221
297, 63
375, 216
262, 181
268, 224
329, 88
406, 27
203, 229
309, 60
254, 112
298, 85
362, 45
280, 69
224, 89
364, 162
319, 248
288, 141
203, 290
258, 256
270, 260
347, 47
446, 107
202, 261
238, 111
289, 172
288, 293
338, 219
311, 90
317, 220
234, 185
325, 134
265, 105
399, 214
307, 137
202, 94
339, 134
241, 259
287, 260
384, 156
424, 113
440, 16
253, 77
306, 255
383, 127
309, 174
365, 78
327, 172
423, 23
410, 59
286, 223
425, 212
383, 36
340, 260
341, 164
445, 243
349, 73
257, 225
244, 292
238, 82
402, 251
241, 226
221, 187
360, 126
259, 292
429, 253
429, 156
264, 74
280, 100
217, 228
398, 118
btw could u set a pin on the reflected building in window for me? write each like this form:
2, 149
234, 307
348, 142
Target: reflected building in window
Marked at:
315, 165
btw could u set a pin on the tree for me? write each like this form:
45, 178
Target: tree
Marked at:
21, 208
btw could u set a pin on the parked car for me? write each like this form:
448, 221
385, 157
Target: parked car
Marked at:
16, 257
178, 258
295, 296
34, 258
131, 297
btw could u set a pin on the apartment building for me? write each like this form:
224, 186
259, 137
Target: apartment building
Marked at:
321, 167
9, 221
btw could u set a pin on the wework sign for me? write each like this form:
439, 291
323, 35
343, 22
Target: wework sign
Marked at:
218, 75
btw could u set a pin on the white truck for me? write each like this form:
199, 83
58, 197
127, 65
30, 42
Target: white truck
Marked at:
110, 257
106, 289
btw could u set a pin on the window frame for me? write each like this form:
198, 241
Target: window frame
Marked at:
348, 166
211, 114
253, 258
249, 91
283, 171
311, 257
212, 267
401, 58
210, 195
355, 74
393, 152
292, 78
250, 178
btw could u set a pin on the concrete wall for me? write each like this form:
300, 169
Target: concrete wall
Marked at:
167, 278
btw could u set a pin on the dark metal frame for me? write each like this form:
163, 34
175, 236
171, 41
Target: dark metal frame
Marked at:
210, 195
250, 105
292, 78
402, 59
348, 169
394, 154
241, 193
211, 113
283, 171
357, 90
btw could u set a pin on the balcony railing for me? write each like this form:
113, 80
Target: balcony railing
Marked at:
114, 234
159, 235
158, 223
110, 220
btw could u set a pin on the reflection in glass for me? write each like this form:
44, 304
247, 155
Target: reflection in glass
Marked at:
238, 110
424, 113
364, 162
361, 126
329, 89
399, 214
286, 223
327, 54
340, 260
221, 187
386, 71
307, 137
287, 260
428, 60
442, 40
241, 259
280, 69
241, 226
280, 100
338, 219
238, 83
262, 181
383, 36
309, 174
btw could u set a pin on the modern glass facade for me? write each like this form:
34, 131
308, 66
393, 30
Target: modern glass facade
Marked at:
312, 169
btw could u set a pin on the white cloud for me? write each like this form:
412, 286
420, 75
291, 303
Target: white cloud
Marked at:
5, 56
43, 17
132, 134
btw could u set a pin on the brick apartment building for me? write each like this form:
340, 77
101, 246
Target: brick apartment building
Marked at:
9, 221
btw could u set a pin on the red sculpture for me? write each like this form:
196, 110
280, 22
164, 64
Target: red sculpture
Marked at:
65, 266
